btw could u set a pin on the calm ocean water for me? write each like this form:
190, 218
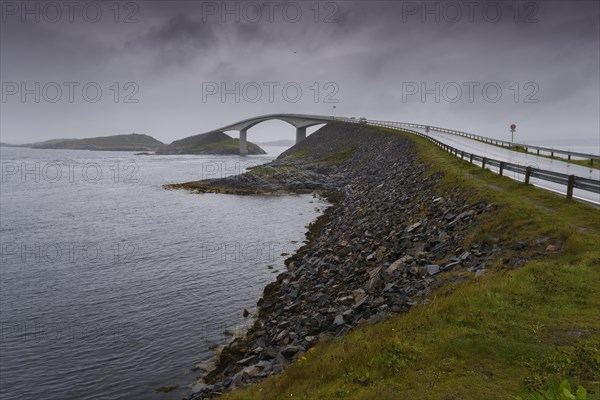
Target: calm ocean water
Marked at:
111, 286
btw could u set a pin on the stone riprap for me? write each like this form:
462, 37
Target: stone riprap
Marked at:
378, 249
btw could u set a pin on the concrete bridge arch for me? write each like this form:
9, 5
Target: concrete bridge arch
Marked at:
299, 121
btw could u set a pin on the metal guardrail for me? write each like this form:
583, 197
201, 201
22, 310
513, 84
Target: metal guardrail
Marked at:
497, 142
527, 147
570, 181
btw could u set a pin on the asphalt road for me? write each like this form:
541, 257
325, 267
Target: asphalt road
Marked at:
503, 154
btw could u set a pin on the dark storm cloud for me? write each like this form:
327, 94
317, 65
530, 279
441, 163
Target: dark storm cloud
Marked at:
368, 49
179, 40
557, 42
41, 50
180, 30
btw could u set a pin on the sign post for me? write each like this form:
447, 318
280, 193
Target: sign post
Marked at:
513, 128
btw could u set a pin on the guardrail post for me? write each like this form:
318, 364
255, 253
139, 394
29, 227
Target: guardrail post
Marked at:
462, 155
471, 158
527, 175
570, 184
483, 163
538, 152
501, 168
569, 157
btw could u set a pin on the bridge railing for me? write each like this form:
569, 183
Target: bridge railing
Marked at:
570, 181
498, 142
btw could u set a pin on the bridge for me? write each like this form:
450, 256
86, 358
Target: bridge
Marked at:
572, 180
299, 121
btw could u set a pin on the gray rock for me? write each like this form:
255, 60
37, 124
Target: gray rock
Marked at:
248, 361
237, 379
290, 351
413, 227
451, 265
200, 388
359, 294
250, 372
283, 325
346, 300
433, 269
363, 301
310, 339
319, 298
395, 266
407, 259
265, 365
268, 353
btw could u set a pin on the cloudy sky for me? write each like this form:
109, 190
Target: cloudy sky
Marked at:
171, 69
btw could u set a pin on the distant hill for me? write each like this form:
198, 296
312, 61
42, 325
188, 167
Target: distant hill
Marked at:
11, 145
283, 142
131, 142
208, 143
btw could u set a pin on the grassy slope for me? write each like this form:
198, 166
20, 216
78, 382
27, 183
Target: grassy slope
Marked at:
230, 146
487, 338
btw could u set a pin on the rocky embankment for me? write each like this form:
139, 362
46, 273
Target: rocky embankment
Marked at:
379, 249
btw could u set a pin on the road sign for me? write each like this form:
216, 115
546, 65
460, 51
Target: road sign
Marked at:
513, 128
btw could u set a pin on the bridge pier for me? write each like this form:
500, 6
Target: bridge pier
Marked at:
243, 142
300, 134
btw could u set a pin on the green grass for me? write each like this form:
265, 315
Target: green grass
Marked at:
280, 169
229, 146
493, 337
332, 159
300, 154
339, 157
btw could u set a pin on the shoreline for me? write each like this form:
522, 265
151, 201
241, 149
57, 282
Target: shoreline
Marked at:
376, 250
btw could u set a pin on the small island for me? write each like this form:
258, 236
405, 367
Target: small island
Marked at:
131, 142
209, 143
217, 143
